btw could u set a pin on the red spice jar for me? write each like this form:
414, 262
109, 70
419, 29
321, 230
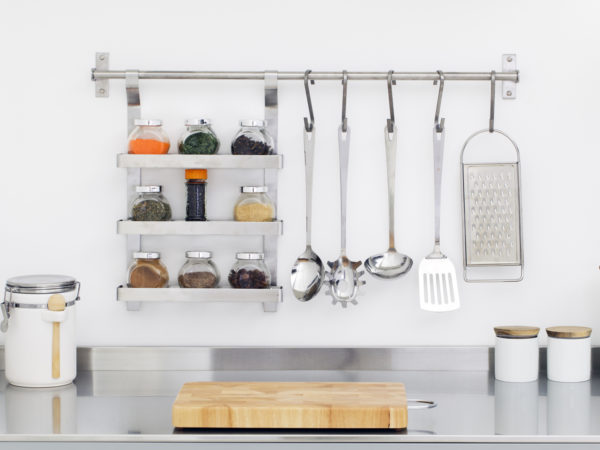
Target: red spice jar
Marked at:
148, 138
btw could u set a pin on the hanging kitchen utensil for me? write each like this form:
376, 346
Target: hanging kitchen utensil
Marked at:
308, 271
343, 278
437, 277
491, 207
390, 264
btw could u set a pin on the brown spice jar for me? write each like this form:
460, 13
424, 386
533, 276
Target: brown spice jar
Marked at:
148, 273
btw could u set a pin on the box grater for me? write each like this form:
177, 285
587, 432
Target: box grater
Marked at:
491, 203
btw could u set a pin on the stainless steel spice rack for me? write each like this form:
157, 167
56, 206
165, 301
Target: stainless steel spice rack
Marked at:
101, 75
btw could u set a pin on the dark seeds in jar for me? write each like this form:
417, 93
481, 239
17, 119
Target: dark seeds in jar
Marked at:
151, 210
200, 143
243, 145
248, 279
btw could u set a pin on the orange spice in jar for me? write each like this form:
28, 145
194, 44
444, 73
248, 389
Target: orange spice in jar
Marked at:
148, 138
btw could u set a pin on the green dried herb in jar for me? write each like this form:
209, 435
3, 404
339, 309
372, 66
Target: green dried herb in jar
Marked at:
198, 138
150, 205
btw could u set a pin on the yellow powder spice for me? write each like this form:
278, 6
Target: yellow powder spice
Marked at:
254, 212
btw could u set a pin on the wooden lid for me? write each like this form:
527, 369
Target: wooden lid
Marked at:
569, 332
516, 331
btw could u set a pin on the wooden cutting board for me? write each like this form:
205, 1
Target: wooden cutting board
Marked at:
290, 405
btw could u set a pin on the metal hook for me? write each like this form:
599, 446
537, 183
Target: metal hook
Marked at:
439, 124
392, 120
344, 95
492, 100
308, 126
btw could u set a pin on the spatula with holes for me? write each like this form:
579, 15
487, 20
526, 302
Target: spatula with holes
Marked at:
437, 277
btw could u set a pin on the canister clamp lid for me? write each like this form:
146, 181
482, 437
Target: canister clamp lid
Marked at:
41, 284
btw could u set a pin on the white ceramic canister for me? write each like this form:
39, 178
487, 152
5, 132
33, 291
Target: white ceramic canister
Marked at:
40, 348
569, 353
516, 355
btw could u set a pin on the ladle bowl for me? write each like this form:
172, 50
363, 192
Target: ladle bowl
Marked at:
388, 265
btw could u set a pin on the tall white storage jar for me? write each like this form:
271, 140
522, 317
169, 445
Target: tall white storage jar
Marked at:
39, 321
516, 356
569, 354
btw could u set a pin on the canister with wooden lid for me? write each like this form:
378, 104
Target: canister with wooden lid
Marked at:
517, 353
569, 353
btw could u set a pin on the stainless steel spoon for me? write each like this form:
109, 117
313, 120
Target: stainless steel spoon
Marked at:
344, 279
389, 264
308, 271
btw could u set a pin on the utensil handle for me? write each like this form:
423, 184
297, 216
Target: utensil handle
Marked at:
309, 153
344, 148
390, 158
438, 162
55, 350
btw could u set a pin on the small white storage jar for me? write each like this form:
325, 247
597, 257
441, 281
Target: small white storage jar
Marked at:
569, 354
40, 348
517, 353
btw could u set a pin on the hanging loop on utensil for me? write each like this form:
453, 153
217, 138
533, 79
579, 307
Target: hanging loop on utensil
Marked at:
492, 100
344, 95
439, 124
392, 120
308, 126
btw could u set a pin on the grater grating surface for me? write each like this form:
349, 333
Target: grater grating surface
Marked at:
492, 214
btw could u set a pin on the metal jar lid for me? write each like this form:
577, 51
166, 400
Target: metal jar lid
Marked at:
253, 189
196, 122
147, 189
148, 122
253, 123
198, 254
146, 255
250, 256
41, 284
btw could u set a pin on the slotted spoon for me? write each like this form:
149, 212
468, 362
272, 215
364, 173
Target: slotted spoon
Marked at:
437, 277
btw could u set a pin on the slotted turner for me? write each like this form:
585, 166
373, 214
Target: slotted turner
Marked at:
437, 277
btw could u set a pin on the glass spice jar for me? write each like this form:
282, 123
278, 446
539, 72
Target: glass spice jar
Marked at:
254, 205
199, 271
252, 139
195, 209
150, 205
198, 138
250, 272
147, 271
148, 138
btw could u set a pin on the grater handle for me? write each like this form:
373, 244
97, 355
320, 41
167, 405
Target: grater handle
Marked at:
390, 157
438, 161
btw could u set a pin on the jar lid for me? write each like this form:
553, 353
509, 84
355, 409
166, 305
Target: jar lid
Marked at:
196, 174
146, 255
141, 189
250, 256
148, 122
253, 123
41, 284
253, 189
516, 331
198, 254
196, 122
569, 332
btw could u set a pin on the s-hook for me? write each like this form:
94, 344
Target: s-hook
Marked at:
492, 100
391, 120
344, 95
439, 124
308, 126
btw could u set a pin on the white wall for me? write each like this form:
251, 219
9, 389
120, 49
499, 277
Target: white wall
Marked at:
62, 194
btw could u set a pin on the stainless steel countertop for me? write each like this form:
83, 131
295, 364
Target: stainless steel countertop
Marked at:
135, 405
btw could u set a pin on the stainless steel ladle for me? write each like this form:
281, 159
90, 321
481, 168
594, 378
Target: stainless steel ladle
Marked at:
390, 264
308, 271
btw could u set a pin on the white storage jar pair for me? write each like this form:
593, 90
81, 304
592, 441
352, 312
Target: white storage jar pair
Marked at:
569, 353
39, 321
517, 353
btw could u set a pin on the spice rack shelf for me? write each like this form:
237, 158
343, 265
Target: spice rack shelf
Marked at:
183, 228
176, 161
270, 298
